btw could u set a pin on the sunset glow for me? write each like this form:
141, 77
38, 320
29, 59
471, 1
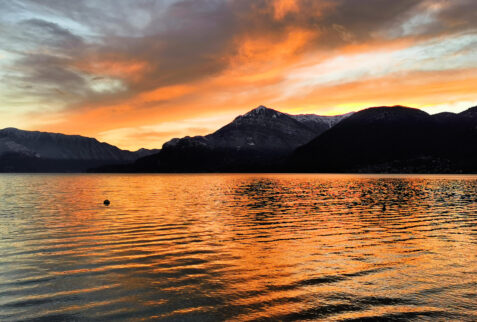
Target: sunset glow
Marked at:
136, 74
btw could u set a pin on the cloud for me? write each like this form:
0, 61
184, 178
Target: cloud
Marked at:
283, 7
416, 89
49, 34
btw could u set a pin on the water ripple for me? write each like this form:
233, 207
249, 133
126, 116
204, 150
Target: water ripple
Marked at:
238, 247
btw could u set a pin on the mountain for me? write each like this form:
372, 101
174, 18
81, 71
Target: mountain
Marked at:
378, 139
34, 151
320, 123
394, 139
259, 140
144, 152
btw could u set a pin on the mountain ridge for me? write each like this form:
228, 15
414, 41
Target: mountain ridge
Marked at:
377, 139
393, 139
258, 140
33, 151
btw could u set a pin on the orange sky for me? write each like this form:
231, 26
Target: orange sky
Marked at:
137, 74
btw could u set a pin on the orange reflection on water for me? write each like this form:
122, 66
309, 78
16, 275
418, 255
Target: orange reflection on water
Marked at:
242, 247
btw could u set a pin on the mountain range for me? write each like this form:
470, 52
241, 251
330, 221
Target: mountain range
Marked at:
34, 151
258, 141
382, 139
394, 139
376, 140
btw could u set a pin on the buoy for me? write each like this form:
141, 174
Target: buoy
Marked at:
384, 207
106, 202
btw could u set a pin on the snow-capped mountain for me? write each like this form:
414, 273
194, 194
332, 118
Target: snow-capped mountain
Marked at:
263, 129
320, 123
261, 138
377, 139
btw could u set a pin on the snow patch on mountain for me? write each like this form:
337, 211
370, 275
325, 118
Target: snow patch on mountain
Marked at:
9, 146
329, 121
262, 129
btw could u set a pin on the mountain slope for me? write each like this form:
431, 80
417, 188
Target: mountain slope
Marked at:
393, 139
43, 151
320, 123
256, 141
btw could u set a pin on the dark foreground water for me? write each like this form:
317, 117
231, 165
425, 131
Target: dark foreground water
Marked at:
238, 247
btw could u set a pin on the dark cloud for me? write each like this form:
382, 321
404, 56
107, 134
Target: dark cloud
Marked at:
183, 41
196, 39
457, 16
52, 34
43, 70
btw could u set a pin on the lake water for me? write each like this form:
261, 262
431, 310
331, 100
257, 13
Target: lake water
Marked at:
238, 247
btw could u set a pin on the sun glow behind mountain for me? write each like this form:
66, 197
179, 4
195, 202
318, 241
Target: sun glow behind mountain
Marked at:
138, 73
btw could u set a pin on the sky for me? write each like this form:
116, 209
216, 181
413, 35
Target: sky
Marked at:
137, 73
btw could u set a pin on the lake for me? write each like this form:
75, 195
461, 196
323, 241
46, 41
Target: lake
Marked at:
238, 247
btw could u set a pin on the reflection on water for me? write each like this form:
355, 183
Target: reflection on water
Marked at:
238, 247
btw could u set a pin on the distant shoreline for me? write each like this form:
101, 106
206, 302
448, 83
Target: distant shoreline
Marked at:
252, 173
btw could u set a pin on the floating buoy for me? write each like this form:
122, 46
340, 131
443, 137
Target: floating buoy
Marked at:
106, 202
384, 207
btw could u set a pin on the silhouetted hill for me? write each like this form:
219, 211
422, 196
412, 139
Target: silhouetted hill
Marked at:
393, 139
259, 140
34, 151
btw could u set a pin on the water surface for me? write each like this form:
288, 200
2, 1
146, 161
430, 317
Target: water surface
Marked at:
238, 247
